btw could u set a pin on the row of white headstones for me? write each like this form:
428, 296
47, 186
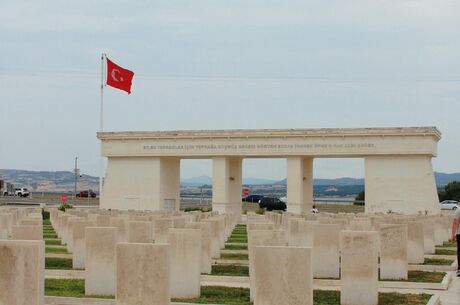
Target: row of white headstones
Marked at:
151, 257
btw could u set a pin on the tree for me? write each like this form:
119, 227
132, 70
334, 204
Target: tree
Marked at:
359, 199
451, 191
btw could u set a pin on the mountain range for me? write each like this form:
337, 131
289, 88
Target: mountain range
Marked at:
62, 181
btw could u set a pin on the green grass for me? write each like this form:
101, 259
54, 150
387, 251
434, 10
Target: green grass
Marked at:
53, 242
425, 277
438, 262
220, 295
46, 222
245, 237
55, 250
403, 299
324, 297
240, 296
445, 252
236, 247
230, 270
230, 296
58, 263
449, 244
237, 240
238, 235
415, 277
69, 288
234, 256
45, 235
422, 277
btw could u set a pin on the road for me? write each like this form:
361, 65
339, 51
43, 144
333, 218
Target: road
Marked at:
186, 202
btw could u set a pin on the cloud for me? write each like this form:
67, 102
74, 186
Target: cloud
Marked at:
235, 64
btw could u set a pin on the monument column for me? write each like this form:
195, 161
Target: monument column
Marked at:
400, 183
299, 184
142, 183
227, 184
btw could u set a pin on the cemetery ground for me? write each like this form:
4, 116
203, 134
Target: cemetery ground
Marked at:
235, 249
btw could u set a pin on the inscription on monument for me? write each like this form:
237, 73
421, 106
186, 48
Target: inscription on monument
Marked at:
188, 147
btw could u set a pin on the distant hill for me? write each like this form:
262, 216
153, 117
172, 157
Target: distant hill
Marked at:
45, 181
337, 181
196, 181
63, 181
443, 179
206, 180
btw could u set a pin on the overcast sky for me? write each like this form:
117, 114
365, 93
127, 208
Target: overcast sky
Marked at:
225, 64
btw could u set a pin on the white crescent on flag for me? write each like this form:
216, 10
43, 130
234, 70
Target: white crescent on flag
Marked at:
114, 74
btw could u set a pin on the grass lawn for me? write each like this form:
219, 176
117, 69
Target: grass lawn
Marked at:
243, 237
438, 262
230, 270
240, 296
324, 297
50, 235
69, 288
53, 242
237, 240
239, 233
403, 299
220, 295
58, 263
55, 250
422, 277
415, 277
230, 296
236, 247
234, 256
448, 244
445, 252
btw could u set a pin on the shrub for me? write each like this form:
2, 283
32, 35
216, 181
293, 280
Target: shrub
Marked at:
260, 211
65, 206
45, 214
359, 199
198, 209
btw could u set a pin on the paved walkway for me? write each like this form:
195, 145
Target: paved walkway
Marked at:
452, 295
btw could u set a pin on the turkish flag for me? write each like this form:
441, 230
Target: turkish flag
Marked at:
119, 77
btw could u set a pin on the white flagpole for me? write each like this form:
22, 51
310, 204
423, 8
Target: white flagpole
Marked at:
101, 127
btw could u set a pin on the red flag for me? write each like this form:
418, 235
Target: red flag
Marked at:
119, 77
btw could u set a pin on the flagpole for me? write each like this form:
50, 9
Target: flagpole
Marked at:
101, 128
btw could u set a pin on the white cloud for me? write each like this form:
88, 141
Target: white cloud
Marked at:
234, 64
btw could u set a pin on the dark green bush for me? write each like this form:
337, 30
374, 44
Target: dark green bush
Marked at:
45, 214
65, 206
